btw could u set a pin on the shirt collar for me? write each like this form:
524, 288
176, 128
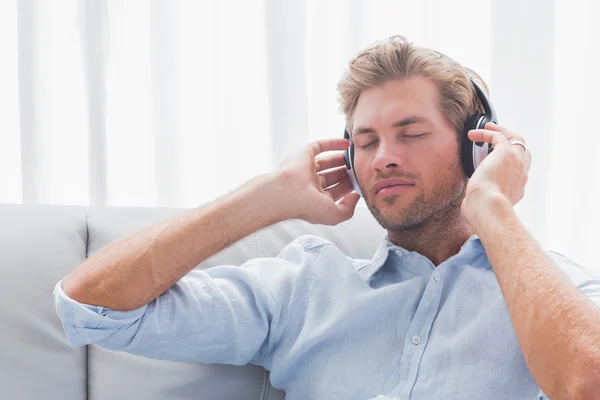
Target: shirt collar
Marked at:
472, 245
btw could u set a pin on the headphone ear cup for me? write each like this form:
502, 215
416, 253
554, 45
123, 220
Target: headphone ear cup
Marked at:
349, 152
349, 160
467, 144
473, 153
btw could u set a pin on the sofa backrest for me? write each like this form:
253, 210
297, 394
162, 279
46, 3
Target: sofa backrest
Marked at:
39, 245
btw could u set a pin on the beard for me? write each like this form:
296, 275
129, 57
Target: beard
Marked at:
433, 205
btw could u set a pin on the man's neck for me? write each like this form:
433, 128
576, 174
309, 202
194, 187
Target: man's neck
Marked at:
438, 238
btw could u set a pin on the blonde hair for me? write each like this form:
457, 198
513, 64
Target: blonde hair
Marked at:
397, 58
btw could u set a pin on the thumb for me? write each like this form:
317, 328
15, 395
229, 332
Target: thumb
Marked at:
347, 205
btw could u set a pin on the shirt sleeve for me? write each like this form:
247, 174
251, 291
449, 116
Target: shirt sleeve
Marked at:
225, 314
542, 396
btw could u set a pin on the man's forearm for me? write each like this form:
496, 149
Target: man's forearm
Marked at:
134, 270
557, 327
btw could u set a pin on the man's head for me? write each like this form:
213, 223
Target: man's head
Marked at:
405, 107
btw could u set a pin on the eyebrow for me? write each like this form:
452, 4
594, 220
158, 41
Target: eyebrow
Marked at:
398, 124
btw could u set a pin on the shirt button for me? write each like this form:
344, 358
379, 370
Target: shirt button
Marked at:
436, 276
399, 252
416, 339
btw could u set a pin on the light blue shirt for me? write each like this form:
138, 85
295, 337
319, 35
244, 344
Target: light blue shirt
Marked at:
331, 327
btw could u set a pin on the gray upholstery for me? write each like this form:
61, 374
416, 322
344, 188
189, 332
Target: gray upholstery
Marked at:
40, 244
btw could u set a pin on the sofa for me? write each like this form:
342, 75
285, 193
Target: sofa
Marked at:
40, 244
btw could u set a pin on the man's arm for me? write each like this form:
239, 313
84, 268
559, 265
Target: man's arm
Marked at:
131, 272
557, 326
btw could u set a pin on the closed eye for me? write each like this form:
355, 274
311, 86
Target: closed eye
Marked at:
366, 146
419, 136
412, 137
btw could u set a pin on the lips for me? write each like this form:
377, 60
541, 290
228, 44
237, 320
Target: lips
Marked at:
386, 183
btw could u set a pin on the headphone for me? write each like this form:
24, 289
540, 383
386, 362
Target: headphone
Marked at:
472, 153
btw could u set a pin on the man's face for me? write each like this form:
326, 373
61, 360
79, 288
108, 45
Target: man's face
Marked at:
401, 136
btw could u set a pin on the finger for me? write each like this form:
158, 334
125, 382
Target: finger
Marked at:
340, 190
347, 205
508, 133
329, 161
484, 135
492, 126
332, 176
321, 146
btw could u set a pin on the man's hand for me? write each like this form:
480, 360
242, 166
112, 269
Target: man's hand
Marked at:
502, 175
316, 185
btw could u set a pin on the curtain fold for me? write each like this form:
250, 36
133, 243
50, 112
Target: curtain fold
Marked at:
93, 22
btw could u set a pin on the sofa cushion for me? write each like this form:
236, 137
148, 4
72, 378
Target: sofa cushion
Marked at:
38, 246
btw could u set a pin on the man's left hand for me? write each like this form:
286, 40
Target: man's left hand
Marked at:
501, 176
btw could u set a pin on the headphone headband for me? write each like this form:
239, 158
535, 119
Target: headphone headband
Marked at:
479, 89
488, 107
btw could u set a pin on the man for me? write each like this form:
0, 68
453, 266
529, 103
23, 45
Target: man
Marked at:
459, 301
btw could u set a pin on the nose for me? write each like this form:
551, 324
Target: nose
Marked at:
388, 156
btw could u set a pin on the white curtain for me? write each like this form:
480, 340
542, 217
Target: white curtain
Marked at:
173, 103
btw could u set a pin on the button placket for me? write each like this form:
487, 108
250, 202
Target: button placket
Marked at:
420, 328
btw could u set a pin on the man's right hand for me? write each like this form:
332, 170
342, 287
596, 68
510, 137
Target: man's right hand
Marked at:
316, 184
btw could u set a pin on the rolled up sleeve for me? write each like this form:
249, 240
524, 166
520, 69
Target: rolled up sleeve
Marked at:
84, 324
225, 314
